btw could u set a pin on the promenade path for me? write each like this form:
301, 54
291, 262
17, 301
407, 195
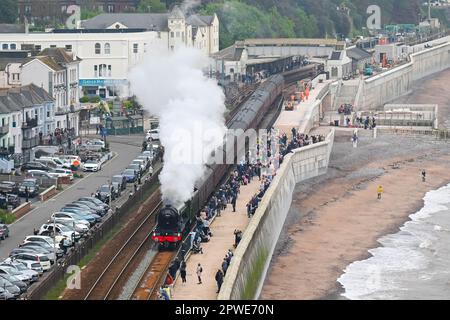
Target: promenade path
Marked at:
214, 251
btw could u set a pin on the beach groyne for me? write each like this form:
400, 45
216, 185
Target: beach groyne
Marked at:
390, 85
247, 271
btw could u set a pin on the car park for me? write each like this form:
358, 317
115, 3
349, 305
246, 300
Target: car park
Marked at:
121, 180
92, 165
4, 231
9, 187
33, 165
130, 175
31, 185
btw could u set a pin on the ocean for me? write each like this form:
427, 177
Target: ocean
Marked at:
413, 263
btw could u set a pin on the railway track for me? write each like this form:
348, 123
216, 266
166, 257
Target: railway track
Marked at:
108, 283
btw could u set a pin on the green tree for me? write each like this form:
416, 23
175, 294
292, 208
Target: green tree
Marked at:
8, 11
155, 6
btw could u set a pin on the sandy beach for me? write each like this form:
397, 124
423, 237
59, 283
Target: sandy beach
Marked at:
336, 218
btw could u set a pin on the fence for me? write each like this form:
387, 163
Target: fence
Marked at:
82, 248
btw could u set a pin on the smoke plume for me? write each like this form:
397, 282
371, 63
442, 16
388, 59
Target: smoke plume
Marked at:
190, 108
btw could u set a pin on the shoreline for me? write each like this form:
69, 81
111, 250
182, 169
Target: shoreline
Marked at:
323, 237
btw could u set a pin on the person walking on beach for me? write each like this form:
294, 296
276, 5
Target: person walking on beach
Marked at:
199, 273
219, 279
423, 175
355, 138
379, 191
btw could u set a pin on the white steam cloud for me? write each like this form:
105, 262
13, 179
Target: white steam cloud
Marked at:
190, 108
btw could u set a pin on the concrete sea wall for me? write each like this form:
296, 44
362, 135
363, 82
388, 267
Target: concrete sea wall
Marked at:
394, 83
247, 271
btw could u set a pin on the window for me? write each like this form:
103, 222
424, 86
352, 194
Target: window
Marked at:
12, 46
53, 46
14, 121
110, 8
27, 9
159, 34
109, 70
98, 48
135, 48
69, 47
102, 70
107, 48
38, 48
172, 34
5, 46
95, 71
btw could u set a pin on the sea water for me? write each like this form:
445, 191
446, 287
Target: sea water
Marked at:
413, 263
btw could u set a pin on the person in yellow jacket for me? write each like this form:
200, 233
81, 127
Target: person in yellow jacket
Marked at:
379, 191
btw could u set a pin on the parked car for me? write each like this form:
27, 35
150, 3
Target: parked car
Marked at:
12, 200
96, 202
12, 288
50, 247
32, 185
4, 231
61, 173
15, 280
82, 214
33, 165
34, 257
9, 187
94, 145
121, 180
105, 193
5, 294
80, 225
92, 165
147, 161
97, 212
20, 267
39, 175
140, 163
152, 134
47, 229
49, 240
130, 175
136, 168
49, 163
41, 250
12, 272
30, 265
116, 189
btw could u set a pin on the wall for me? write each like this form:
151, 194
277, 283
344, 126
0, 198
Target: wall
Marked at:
251, 260
396, 82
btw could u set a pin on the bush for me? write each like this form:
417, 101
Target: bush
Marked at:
6, 217
84, 99
94, 99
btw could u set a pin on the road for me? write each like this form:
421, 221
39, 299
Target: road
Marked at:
125, 147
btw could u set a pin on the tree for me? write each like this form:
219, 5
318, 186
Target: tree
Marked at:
8, 11
154, 6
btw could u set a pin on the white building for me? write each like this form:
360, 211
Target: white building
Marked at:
109, 45
338, 65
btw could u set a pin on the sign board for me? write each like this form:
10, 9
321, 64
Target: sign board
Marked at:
94, 120
102, 82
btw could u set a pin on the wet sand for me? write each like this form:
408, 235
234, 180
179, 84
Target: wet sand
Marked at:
336, 218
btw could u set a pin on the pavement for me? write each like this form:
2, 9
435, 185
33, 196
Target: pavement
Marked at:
126, 148
214, 251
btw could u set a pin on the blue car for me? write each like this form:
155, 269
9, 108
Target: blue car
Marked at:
81, 214
130, 174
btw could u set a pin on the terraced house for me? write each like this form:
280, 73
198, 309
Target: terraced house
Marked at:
24, 111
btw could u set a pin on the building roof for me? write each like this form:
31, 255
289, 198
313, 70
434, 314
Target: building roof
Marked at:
50, 62
148, 21
14, 99
335, 55
6, 61
196, 20
358, 54
58, 54
12, 28
232, 53
289, 42
176, 13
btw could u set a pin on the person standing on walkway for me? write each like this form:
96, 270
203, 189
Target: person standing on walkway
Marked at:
233, 201
224, 266
219, 279
379, 191
199, 273
423, 175
183, 271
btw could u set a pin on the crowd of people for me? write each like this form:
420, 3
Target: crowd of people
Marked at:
58, 137
366, 123
261, 162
